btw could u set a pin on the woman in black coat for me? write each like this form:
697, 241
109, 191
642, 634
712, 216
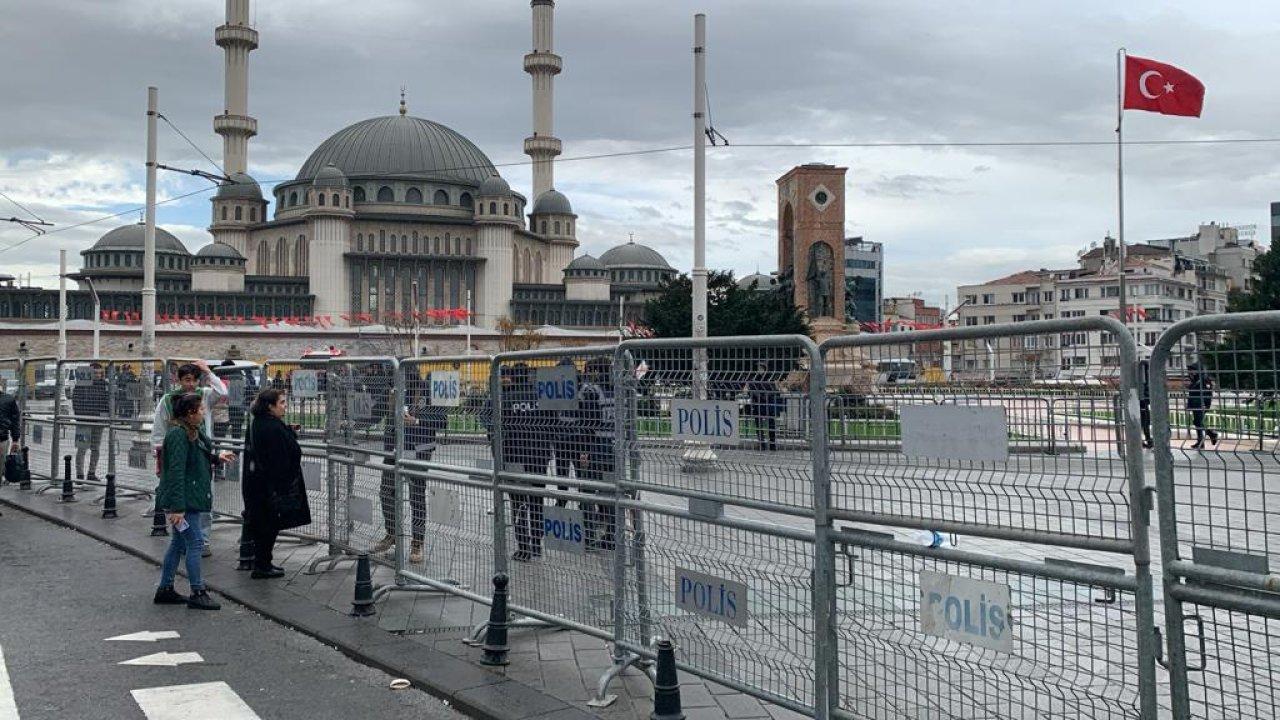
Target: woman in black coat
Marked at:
275, 497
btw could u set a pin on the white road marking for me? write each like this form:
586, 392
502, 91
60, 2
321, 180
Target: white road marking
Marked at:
147, 636
202, 701
8, 706
165, 658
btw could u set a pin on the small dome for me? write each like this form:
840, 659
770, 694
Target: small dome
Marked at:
130, 237
241, 187
759, 281
330, 177
552, 201
494, 185
586, 262
634, 255
219, 250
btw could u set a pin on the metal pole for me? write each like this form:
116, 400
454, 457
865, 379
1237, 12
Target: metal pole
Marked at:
469, 316
97, 319
149, 236
1124, 299
700, 197
62, 304
414, 287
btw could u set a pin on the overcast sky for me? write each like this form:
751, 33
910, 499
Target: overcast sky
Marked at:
803, 71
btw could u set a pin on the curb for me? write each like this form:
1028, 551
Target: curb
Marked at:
467, 687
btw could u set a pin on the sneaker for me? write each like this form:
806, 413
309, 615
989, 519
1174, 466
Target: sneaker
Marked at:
270, 574
1197, 446
1213, 438
415, 552
206, 551
168, 596
200, 600
383, 545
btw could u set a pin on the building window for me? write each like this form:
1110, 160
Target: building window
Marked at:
442, 198
335, 199
282, 257
385, 194
253, 214
557, 227
320, 199
300, 256
544, 227
359, 242
493, 208
346, 202
358, 194
224, 212
264, 258
465, 200
506, 209
988, 319
239, 213
1020, 298
413, 196
515, 264
989, 299
293, 199
373, 289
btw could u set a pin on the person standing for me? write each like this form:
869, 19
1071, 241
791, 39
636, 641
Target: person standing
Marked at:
190, 375
10, 423
422, 420
526, 444
1199, 400
597, 410
90, 400
1144, 402
184, 494
275, 496
766, 405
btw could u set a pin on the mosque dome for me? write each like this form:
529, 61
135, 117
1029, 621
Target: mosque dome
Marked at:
758, 281
586, 262
131, 237
330, 177
219, 250
634, 255
241, 187
552, 201
400, 145
494, 185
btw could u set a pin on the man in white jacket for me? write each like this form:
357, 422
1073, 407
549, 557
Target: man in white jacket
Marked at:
190, 376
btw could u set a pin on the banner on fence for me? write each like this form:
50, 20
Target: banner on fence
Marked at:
955, 432
708, 421
961, 609
712, 597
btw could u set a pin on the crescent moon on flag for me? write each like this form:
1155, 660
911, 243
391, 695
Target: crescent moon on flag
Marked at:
1142, 84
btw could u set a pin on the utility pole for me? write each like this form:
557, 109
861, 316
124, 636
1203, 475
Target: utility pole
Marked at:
62, 304
97, 318
414, 289
699, 456
149, 235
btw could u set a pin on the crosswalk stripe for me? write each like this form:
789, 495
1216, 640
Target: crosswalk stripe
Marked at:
8, 706
201, 701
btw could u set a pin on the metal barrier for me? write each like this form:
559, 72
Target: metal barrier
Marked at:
987, 571
304, 384
40, 386
1214, 382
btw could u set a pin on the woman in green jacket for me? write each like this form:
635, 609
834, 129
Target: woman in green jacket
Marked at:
186, 491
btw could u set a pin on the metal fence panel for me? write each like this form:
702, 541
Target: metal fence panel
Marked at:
1214, 390
40, 385
305, 410
985, 466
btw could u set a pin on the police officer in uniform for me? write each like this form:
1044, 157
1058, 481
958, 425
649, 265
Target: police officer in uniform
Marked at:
597, 405
526, 446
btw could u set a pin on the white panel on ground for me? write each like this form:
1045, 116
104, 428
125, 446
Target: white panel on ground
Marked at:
165, 659
8, 706
202, 701
147, 636
955, 432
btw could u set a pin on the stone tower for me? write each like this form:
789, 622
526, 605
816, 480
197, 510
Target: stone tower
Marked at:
811, 242
235, 126
543, 65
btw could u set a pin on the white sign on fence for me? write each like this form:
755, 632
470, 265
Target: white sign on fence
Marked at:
362, 407
711, 596
975, 612
954, 432
557, 387
360, 510
708, 421
446, 388
305, 384
311, 476
443, 507
563, 529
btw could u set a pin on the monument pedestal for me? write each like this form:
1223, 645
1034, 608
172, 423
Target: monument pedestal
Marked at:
825, 328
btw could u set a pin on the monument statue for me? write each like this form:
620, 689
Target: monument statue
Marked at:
820, 278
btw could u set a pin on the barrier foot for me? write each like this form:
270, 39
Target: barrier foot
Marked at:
159, 526
362, 604
68, 485
245, 559
495, 637
331, 561
109, 499
666, 685
25, 482
603, 698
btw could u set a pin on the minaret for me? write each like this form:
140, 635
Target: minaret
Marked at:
234, 124
543, 65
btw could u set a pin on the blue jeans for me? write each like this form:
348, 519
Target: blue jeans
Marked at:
206, 529
189, 541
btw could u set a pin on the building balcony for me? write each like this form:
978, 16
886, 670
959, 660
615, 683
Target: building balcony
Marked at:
235, 125
548, 62
229, 35
542, 145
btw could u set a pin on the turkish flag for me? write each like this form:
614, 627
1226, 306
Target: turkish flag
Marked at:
1157, 87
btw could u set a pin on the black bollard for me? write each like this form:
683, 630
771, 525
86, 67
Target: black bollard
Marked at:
666, 686
68, 487
25, 482
109, 499
495, 636
362, 605
245, 561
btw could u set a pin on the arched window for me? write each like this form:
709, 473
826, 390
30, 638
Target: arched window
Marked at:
528, 266
239, 213
506, 209
465, 200
300, 256
293, 199
320, 199
413, 196
493, 208
359, 242
441, 198
416, 246
335, 199
544, 227
557, 226
224, 212
282, 257
264, 258
515, 265
537, 267
253, 214
346, 202
385, 194
358, 194
404, 243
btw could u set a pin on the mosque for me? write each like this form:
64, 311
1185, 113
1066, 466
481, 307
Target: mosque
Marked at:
390, 218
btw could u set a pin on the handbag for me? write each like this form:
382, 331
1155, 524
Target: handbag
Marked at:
13, 469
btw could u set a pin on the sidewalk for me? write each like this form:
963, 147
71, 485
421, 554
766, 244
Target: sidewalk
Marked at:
417, 636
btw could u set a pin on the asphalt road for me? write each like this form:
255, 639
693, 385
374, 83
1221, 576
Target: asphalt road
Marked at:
62, 594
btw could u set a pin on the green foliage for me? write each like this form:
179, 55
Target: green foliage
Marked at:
1265, 293
1248, 360
730, 310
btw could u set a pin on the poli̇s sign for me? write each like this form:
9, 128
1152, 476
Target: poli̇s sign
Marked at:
711, 596
563, 530
557, 387
305, 384
708, 421
446, 388
970, 611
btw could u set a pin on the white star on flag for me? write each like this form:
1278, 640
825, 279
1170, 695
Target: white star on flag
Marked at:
1168, 88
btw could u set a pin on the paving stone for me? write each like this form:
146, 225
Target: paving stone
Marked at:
695, 694
741, 706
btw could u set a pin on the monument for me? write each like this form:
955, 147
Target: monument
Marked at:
811, 244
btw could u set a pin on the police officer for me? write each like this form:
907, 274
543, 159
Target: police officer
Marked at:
422, 421
526, 445
567, 441
597, 405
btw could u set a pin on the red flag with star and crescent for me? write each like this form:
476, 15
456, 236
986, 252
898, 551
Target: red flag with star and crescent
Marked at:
1158, 87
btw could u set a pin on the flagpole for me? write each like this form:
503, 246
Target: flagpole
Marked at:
1124, 298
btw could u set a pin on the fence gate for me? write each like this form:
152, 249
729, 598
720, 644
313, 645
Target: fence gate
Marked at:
1216, 420
39, 386
993, 558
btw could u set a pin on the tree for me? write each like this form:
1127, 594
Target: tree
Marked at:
513, 335
730, 309
1246, 360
